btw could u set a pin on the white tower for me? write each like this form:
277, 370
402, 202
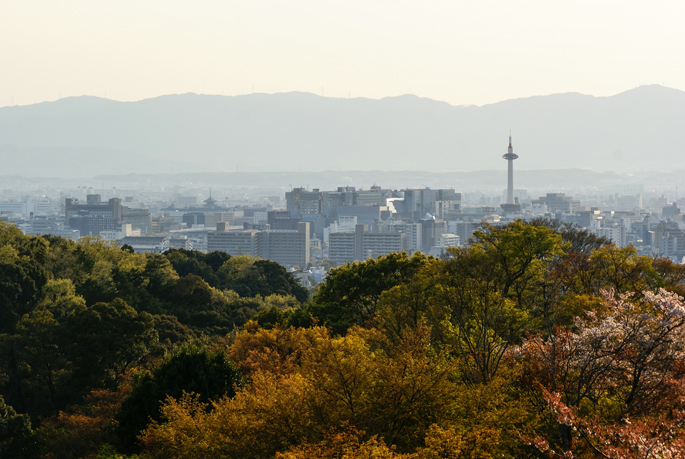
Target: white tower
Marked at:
510, 205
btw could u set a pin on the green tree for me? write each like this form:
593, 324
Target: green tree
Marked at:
206, 266
209, 374
38, 335
22, 274
352, 293
579, 239
250, 276
14, 430
59, 297
485, 292
107, 339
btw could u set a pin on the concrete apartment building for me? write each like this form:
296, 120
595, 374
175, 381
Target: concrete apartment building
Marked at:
96, 216
413, 232
287, 247
375, 244
282, 220
342, 247
616, 234
233, 242
28, 206
462, 229
418, 202
431, 228
366, 215
362, 245
302, 202
558, 203
447, 240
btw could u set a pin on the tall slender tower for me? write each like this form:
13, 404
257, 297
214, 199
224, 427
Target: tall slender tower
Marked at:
510, 205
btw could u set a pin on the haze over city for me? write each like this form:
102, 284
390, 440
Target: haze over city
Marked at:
339, 230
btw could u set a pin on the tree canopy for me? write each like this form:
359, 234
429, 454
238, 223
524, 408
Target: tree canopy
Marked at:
537, 339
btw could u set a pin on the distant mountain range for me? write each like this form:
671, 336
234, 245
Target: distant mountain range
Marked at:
640, 129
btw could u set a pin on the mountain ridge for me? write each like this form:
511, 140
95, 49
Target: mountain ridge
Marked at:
637, 129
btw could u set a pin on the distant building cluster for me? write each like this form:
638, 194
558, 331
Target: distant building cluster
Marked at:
309, 230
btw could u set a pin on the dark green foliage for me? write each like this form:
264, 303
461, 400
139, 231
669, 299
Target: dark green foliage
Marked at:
75, 316
127, 248
192, 293
300, 317
275, 279
187, 262
107, 340
268, 318
579, 239
351, 293
22, 273
15, 430
208, 374
52, 363
170, 331
250, 278
17, 288
160, 275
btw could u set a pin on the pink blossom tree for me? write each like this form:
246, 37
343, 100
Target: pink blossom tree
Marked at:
614, 384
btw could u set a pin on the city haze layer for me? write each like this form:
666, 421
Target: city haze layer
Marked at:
636, 130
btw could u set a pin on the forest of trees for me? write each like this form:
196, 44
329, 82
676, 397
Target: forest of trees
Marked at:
538, 339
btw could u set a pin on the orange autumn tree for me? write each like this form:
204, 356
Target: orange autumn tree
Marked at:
347, 443
396, 393
80, 431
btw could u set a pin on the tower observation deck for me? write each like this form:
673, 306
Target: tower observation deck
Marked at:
510, 205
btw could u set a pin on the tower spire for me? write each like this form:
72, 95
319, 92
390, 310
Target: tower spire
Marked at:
510, 205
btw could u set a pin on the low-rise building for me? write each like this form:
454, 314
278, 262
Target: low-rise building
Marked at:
142, 244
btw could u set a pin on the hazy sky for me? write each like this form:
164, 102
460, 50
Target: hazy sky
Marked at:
462, 52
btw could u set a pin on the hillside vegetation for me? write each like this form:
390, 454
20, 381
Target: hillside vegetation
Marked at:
538, 340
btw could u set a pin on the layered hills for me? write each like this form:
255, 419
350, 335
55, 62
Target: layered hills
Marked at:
640, 129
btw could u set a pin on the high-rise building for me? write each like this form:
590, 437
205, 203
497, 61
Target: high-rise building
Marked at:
233, 242
287, 247
361, 244
342, 247
302, 202
96, 216
376, 244
418, 202
558, 203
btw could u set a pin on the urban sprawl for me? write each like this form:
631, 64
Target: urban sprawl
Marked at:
315, 229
